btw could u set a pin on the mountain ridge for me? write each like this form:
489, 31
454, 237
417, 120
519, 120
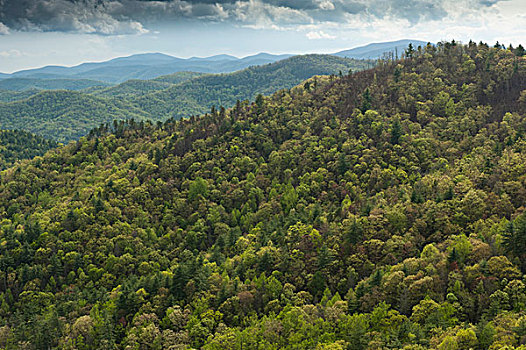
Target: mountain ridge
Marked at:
147, 65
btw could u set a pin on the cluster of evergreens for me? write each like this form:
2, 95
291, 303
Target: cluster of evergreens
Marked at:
16, 145
383, 209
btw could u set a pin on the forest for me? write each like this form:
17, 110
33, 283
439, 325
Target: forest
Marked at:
16, 145
381, 209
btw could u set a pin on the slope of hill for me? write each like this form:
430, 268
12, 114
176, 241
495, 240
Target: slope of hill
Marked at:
64, 115
10, 95
151, 65
136, 87
377, 50
20, 84
198, 95
379, 210
16, 145
178, 77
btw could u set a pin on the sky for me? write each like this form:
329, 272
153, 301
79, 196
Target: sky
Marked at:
35, 33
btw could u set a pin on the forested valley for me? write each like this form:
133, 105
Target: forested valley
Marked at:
382, 209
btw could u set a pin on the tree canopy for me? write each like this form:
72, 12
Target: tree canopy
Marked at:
300, 221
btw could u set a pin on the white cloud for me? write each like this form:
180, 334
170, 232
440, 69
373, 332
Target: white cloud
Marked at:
316, 35
115, 17
10, 54
4, 30
258, 14
351, 21
326, 5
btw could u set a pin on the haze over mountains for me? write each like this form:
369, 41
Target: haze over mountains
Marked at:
147, 66
151, 65
64, 103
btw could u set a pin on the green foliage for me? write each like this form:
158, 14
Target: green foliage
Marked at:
21, 84
17, 145
64, 115
291, 223
197, 96
178, 77
68, 115
10, 96
514, 239
131, 88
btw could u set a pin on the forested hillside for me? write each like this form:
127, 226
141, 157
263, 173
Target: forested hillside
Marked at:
10, 96
198, 95
21, 84
135, 87
178, 77
67, 115
132, 88
383, 209
64, 115
17, 145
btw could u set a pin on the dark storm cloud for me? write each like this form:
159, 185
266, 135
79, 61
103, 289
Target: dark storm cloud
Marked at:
135, 16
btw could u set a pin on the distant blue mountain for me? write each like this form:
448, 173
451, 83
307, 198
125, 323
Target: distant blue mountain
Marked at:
145, 66
215, 58
377, 50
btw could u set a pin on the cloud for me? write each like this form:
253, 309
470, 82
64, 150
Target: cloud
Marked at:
315, 35
4, 30
326, 5
263, 15
114, 17
10, 54
87, 16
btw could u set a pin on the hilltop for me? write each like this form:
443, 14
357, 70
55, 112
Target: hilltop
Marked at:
197, 96
378, 50
146, 66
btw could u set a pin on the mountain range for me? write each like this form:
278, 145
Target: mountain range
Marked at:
66, 115
64, 103
151, 65
145, 66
